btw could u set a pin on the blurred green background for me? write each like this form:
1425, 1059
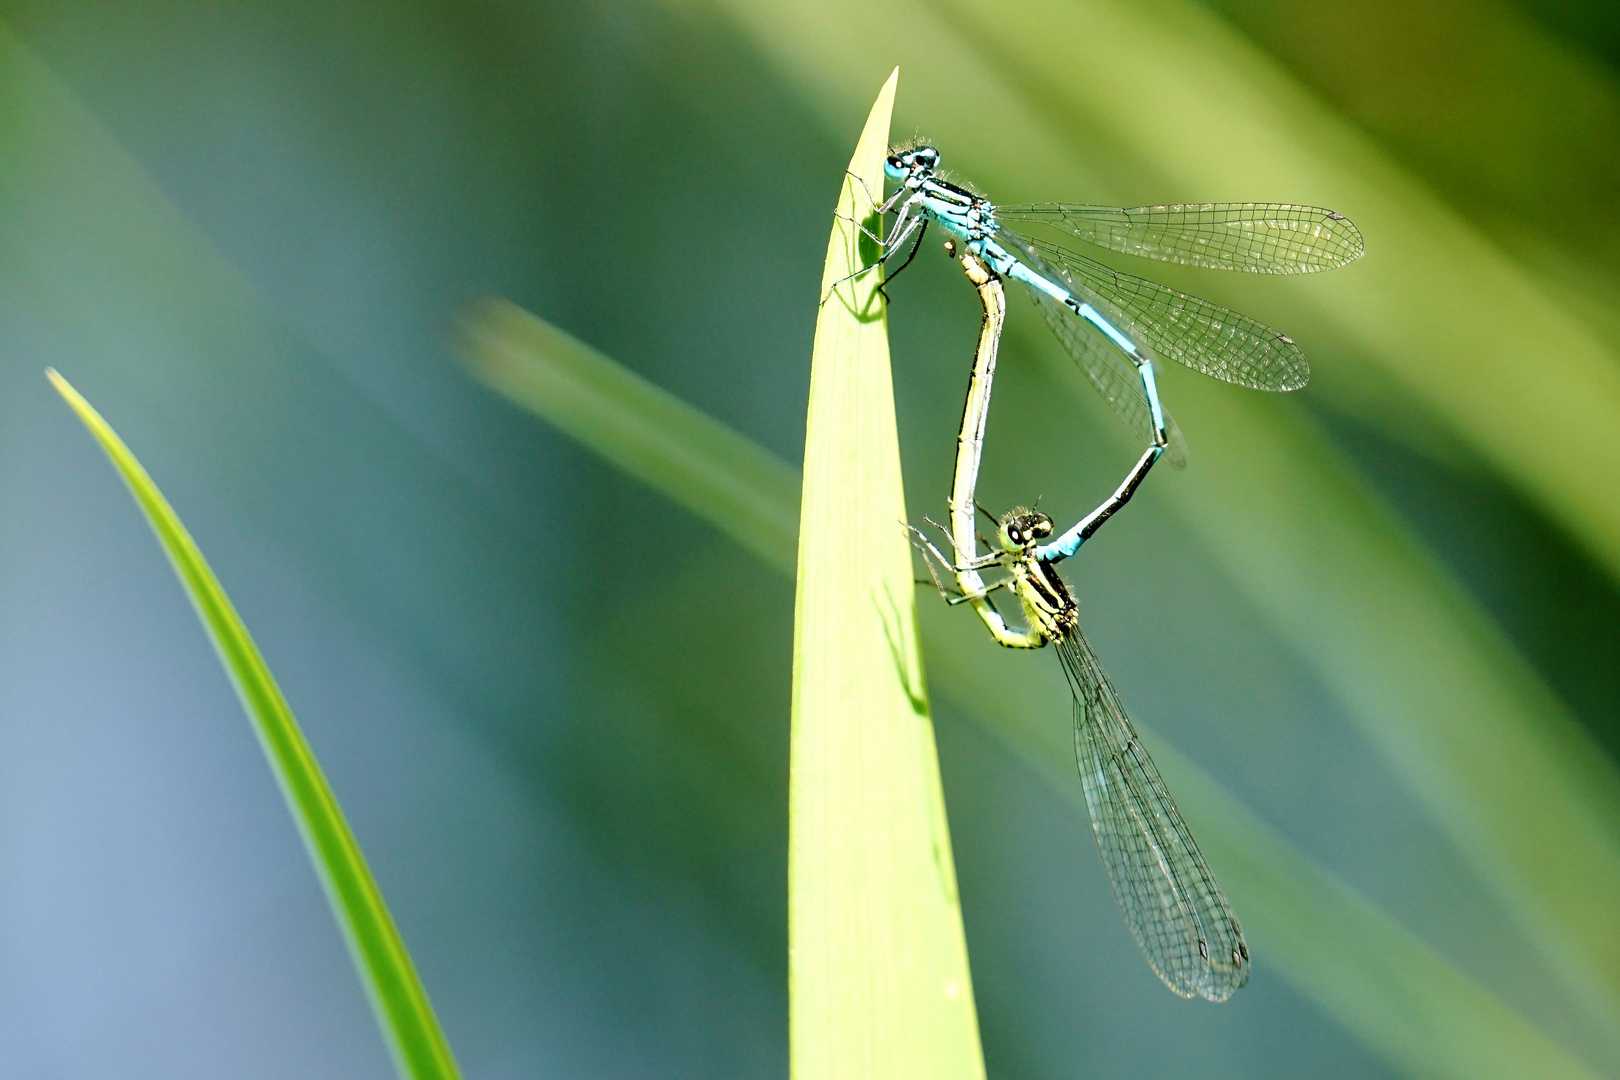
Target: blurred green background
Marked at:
555, 705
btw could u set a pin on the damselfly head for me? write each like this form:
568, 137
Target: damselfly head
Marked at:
912, 163
1022, 529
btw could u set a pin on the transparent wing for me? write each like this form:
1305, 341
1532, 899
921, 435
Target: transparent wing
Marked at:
1108, 369
1206, 337
1170, 899
1261, 238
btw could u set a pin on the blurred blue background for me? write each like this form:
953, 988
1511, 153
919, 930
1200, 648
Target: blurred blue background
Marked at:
553, 704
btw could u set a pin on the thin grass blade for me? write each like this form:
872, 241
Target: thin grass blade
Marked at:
401, 1004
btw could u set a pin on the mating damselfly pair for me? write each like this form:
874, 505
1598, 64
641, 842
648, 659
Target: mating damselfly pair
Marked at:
1114, 326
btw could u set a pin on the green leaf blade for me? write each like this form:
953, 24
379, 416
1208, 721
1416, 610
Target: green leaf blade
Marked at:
401, 1004
877, 962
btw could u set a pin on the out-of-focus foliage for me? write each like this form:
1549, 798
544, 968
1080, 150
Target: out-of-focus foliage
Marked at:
248, 230
706, 467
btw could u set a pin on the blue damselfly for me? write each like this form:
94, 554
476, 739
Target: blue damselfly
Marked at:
1115, 325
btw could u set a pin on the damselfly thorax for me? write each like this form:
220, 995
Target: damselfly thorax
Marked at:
1049, 607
